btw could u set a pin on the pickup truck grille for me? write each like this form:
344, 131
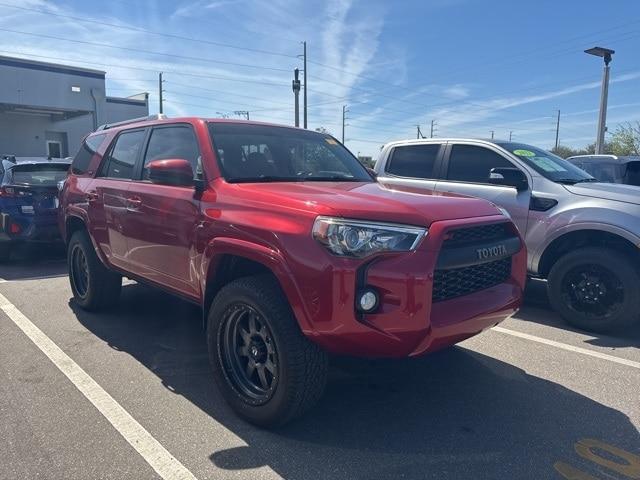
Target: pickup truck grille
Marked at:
463, 281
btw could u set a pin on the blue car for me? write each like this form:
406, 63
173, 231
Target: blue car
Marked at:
29, 200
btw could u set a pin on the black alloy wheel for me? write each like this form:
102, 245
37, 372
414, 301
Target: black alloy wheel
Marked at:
248, 354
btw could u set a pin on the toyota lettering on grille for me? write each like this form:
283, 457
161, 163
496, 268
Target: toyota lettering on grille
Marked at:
491, 252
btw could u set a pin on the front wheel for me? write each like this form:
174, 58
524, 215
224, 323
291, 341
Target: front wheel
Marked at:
595, 289
266, 369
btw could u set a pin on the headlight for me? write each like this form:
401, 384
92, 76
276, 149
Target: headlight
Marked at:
355, 238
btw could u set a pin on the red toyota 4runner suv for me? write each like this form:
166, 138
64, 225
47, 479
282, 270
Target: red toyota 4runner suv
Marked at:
290, 246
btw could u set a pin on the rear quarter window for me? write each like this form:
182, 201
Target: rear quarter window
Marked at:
82, 160
414, 161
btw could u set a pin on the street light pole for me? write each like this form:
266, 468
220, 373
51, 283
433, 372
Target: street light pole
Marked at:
296, 95
305, 84
605, 53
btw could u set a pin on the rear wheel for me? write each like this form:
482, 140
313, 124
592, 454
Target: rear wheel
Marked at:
266, 369
595, 289
94, 286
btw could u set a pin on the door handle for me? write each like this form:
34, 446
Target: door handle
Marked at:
91, 196
133, 204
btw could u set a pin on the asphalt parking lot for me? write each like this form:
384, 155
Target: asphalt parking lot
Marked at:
534, 399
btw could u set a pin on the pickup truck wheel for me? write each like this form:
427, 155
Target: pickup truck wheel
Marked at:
266, 369
595, 289
94, 286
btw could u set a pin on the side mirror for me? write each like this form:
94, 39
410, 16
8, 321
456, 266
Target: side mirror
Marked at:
174, 171
509, 177
372, 172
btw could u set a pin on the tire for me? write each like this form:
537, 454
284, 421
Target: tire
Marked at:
595, 289
299, 367
94, 286
5, 252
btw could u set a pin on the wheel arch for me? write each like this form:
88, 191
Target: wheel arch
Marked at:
613, 238
227, 259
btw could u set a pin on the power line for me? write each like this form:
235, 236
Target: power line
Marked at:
151, 32
148, 52
155, 71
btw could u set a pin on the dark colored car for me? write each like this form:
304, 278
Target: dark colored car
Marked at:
289, 245
28, 201
610, 168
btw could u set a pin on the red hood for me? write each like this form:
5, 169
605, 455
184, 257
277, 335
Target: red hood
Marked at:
368, 201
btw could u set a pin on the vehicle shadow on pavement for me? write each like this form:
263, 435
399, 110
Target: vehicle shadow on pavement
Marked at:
537, 309
454, 414
33, 262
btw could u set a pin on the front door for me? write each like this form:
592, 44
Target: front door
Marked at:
162, 219
467, 170
108, 193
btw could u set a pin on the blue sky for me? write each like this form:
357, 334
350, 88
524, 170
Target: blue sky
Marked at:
471, 66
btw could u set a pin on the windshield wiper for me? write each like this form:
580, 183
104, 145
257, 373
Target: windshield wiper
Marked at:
573, 181
332, 178
262, 178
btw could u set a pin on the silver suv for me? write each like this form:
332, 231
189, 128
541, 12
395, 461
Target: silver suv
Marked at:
581, 235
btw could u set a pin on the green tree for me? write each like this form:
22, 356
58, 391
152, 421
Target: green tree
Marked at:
626, 139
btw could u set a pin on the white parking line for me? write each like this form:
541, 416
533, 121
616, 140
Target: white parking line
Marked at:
569, 348
165, 464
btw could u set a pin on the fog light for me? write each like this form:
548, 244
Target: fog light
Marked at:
367, 300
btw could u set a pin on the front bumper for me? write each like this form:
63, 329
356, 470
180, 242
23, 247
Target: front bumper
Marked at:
408, 322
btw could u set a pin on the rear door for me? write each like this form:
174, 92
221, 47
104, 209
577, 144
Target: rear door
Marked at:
413, 166
466, 170
107, 195
162, 219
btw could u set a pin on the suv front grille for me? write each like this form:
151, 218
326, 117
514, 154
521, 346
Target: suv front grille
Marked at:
463, 281
482, 233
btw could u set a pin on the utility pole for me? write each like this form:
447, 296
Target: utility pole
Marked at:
433, 129
492, 132
295, 85
160, 90
558, 130
305, 84
242, 113
605, 53
345, 110
510, 134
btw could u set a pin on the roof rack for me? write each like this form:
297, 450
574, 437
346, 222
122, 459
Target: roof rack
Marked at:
158, 116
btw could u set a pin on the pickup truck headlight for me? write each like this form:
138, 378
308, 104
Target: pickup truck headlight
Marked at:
355, 238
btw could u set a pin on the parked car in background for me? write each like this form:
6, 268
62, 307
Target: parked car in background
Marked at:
610, 168
289, 245
583, 236
28, 201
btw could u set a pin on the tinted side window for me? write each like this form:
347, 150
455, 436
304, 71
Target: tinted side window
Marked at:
173, 142
123, 156
415, 161
469, 163
83, 158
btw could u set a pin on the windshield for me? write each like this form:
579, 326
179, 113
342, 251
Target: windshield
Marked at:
263, 153
39, 174
547, 164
